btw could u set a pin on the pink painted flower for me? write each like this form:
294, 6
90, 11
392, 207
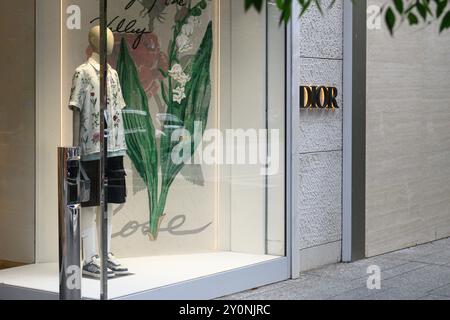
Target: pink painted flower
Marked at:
148, 57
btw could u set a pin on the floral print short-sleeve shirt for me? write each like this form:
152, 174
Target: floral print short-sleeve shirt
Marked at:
85, 96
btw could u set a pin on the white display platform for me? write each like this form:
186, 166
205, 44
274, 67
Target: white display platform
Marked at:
194, 276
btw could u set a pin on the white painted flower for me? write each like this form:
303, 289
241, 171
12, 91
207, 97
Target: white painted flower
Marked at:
187, 29
177, 73
175, 70
184, 43
183, 79
194, 21
179, 94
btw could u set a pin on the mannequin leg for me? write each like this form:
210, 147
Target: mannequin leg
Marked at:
114, 264
89, 233
97, 225
110, 218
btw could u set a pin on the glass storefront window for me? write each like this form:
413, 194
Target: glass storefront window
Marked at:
196, 144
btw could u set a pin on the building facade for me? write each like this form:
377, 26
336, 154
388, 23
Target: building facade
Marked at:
362, 176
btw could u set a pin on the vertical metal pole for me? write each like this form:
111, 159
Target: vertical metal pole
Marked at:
359, 130
347, 133
291, 226
294, 117
103, 151
354, 168
69, 223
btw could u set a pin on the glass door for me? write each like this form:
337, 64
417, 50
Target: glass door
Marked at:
204, 88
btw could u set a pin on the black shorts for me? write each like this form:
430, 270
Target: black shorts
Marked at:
117, 190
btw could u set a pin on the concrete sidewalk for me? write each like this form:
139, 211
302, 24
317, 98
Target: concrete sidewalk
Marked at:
422, 272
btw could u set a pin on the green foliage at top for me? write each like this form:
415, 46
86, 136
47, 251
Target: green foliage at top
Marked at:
395, 12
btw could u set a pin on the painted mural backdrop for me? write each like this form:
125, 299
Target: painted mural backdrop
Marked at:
177, 79
180, 82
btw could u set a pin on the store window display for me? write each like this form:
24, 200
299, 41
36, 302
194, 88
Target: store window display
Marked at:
85, 103
185, 78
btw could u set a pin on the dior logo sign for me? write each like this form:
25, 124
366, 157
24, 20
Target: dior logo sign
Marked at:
315, 97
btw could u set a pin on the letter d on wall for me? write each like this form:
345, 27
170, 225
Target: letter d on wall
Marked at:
305, 97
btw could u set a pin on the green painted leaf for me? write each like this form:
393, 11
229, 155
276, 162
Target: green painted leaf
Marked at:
194, 108
139, 129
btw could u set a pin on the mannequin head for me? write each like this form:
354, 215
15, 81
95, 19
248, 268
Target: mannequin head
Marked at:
94, 40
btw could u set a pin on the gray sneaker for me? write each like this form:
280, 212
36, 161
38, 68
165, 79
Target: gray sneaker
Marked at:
116, 266
93, 269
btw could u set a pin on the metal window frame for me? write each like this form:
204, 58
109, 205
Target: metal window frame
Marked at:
291, 163
103, 151
354, 164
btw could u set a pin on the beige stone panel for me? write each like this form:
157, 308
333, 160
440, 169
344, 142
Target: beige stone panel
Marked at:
408, 138
17, 132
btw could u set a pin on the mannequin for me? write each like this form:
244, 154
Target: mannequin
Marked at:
84, 103
94, 42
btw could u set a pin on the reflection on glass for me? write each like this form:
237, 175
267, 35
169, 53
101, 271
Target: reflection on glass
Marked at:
196, 145
192, 78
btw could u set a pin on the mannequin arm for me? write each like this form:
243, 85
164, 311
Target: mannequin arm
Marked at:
76, 127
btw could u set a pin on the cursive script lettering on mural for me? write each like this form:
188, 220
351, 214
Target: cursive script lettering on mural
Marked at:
152, 9
173, 227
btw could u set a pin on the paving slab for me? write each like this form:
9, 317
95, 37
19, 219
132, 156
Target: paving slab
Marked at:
310, 288
442, 291
435, 298
419, 273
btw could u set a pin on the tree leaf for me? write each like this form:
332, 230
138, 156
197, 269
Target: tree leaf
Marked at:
422, 9
441, 5
412, 19
254, 3
399, 6
390, 20
445, 23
